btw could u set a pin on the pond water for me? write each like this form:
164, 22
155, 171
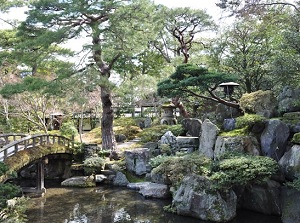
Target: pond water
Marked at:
112, 205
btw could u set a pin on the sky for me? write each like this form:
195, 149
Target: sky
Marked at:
208, 5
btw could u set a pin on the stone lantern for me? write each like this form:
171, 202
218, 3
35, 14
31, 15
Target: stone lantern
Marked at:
228, 88
168, 117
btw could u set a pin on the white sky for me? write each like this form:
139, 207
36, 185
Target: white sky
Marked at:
208, 5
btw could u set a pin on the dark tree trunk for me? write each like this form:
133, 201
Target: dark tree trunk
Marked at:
108, 138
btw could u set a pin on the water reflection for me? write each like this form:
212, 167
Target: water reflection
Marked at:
111, 205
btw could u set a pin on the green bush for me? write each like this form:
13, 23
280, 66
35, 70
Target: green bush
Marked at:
68, 129
8, 191
154, 133
127, 126
16, 212
241, 170
175, 168
295, 184
3, 168
248, 121
231, 170
93, 165
296, 138
125, 121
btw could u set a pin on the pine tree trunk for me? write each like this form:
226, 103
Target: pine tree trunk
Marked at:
108, 137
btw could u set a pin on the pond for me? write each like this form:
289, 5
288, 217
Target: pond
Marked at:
112, 205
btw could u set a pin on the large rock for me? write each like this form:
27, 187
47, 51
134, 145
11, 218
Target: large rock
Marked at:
274, 138
120, 180
290, 205
188, 143
193, 198
208, 138
259, 102
245, 144
264, 198
137, 160
192, 126
151, 190
288, 100
80, 181
154, 190
290, 163
169, 139
225, 112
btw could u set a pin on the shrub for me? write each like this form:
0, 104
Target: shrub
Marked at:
248, 121
3, 168
93, 165
175, 168
15, 212
8, 191
296, 138
154, 133
295, 184
241, 170
68, 129
127, 126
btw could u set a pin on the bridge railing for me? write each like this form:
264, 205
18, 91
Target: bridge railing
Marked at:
10, 137
33, 141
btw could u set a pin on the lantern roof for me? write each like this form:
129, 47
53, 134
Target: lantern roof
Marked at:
228, 84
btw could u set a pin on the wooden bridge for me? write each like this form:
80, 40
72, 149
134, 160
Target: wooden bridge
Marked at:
19, 150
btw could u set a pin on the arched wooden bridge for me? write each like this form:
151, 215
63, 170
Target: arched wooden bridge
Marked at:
19, 150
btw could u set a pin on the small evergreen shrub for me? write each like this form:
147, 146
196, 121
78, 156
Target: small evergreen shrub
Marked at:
127, 126
294, 184
8, 191
239, 170
68, 129
175, 168
248, 121
3, 168
93, 165
296, 138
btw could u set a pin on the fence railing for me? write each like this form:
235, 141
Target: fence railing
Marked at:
31, 141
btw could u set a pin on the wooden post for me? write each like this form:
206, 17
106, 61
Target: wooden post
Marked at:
40, 177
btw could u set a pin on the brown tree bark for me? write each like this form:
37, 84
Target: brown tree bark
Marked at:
108, 137
183, 112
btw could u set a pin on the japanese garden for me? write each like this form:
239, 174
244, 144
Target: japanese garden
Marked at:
129, 111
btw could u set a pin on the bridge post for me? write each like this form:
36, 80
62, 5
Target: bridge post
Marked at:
41, 177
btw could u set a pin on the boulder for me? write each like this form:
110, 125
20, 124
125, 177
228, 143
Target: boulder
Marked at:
100, 178
290, 205
137, 186
274, 138
229, 124
194, 198
208, 138
169, 139
288, 100
188, 142
290, 163
154, 190
151, 190
225, 112
192, 126
260, 102
120, 180
137, 160
80, 181
264, 198
245, 144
